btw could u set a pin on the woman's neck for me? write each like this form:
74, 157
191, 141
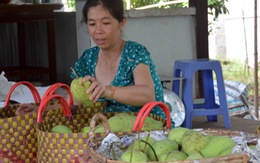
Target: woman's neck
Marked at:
112, 54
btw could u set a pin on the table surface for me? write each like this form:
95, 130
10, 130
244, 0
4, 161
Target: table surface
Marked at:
28, 7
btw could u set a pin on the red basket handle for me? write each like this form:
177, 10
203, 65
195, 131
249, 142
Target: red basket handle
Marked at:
145, 110
34, 91
63, 102
54, 87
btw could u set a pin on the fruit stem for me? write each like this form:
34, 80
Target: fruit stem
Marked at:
131, 152
156, 158
74, 72
147, 140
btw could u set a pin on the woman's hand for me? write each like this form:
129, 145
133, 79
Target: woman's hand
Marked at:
96, 89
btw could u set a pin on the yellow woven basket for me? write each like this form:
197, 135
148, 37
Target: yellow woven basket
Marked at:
18, 139
17, 133
58, 147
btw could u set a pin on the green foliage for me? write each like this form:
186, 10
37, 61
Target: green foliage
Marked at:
71, 4
217, 7
140, 3
237, 71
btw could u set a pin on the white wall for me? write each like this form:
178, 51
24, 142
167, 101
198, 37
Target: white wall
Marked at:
167, 39
83, 39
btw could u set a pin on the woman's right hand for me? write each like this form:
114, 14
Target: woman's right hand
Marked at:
96, 89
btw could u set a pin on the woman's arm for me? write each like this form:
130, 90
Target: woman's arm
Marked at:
137, 95
140, 93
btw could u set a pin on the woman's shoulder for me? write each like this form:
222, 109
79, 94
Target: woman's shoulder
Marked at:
89, 53
92, 50
136, 48
134, 44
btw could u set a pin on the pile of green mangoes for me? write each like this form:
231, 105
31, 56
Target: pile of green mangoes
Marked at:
120, 122
123, 122
181, 144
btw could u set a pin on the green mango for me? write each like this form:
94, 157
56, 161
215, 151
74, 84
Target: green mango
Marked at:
134, 156
61, 129
78, 91
216, 145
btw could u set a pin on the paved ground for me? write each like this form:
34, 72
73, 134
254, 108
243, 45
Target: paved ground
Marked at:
238, 124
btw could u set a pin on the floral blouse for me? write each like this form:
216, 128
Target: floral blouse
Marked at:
132, 54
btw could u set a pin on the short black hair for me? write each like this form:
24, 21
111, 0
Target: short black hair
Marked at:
114, 7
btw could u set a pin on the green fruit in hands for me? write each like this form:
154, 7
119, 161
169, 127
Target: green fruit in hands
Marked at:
61, 129
134, 156
78, 91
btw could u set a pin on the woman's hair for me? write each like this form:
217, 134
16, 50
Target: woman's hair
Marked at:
114, 7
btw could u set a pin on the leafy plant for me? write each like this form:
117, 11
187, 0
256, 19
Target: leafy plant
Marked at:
235, 70
71, 4
217, 7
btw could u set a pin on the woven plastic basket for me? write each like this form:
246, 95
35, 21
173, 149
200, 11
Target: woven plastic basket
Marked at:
17, 132
59, 147
94, 143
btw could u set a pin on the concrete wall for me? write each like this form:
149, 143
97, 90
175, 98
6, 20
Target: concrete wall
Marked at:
167, 38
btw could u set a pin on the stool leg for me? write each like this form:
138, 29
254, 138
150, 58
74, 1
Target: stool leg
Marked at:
209, 96
176, 83
188, 98
223, 99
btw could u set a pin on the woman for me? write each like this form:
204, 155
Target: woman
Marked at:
120, 71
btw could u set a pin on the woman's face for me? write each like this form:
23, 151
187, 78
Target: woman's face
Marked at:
104, 29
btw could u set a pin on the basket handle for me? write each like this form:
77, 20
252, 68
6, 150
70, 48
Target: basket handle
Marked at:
54, 87
96, 119
145, 110
34, 91
63, 102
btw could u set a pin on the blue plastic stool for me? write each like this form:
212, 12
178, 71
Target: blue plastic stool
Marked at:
209, 108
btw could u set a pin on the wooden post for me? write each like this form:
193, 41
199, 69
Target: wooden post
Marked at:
202, 45
256, 63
